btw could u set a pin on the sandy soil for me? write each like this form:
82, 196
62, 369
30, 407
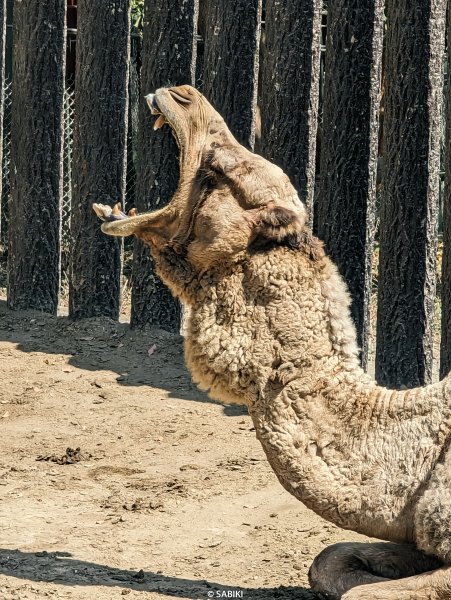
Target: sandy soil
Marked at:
164, 494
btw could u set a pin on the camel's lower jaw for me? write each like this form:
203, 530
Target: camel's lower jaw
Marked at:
128, 225
118, 228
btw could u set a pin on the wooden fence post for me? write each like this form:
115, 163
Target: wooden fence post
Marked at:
345, 207
99, 153
290, 86
168, 55
412, 122
3, 11
36, 154
445, 346
231, 53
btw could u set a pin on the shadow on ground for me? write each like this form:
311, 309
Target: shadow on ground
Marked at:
140, 358
61, 568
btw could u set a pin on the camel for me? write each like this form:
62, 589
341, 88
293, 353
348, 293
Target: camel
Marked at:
269, 326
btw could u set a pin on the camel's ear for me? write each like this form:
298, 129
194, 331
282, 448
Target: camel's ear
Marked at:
285, 227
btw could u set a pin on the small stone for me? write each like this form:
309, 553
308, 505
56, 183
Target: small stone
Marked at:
139, 575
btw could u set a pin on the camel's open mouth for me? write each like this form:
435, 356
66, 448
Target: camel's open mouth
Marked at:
155, 110
179, 107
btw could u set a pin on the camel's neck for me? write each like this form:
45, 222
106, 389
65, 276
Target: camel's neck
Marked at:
275, 331
189, 166
355, 453
336, 440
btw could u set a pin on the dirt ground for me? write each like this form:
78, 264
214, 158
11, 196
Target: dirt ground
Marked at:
119, 478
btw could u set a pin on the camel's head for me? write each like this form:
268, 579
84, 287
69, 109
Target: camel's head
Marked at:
193, 120
228, 200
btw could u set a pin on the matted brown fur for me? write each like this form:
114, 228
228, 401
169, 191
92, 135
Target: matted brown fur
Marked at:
269, 325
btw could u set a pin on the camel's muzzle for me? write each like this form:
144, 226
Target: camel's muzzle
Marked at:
152, 102
180, 97
155, 110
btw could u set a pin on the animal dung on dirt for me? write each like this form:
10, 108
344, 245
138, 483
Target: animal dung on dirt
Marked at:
268, 325
70, 457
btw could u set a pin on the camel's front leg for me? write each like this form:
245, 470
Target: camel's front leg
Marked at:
434, 585
356, 571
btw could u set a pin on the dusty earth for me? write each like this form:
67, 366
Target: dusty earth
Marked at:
119, 478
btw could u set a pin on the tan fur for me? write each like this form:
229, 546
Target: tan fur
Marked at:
269, 326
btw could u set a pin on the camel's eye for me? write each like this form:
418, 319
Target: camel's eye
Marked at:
180, 97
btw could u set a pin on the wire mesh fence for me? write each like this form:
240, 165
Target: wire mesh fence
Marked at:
66, 200
6, 162
69, 108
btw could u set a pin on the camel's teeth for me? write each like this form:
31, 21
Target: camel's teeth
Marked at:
159, 122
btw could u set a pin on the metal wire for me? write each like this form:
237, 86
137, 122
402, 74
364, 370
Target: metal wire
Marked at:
6, 162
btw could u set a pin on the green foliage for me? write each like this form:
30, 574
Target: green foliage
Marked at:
137, 15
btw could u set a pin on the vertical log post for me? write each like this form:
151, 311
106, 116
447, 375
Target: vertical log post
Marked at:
408, 220
231, 54
290, 87
345, 208
445, 347
99, 153
36, 154
3, 10
168, 55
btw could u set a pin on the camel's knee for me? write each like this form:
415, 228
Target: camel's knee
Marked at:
321, 575
432, 585
318, 577
341, 567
